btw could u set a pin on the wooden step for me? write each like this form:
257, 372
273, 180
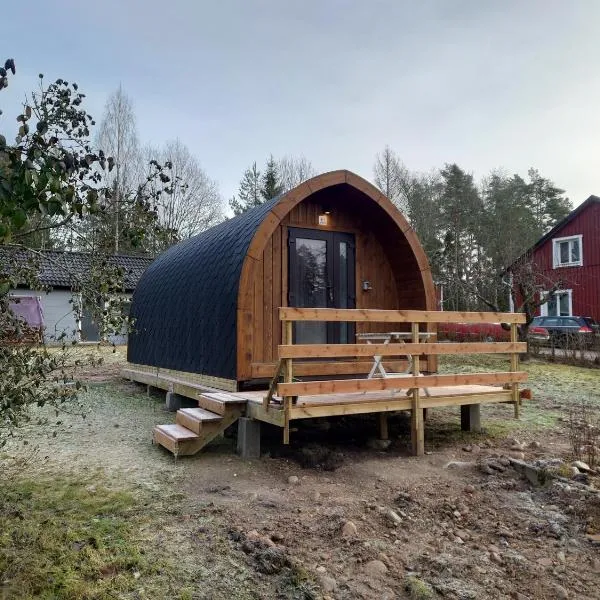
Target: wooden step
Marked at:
196, 419
220, 402
172, 436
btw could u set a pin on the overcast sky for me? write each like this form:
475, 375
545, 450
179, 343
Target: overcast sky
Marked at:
509, 84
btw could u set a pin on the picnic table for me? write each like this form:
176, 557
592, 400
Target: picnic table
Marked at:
399, 337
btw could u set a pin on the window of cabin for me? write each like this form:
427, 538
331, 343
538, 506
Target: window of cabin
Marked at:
567, 251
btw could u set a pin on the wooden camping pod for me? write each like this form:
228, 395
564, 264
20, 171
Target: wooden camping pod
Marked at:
209, 305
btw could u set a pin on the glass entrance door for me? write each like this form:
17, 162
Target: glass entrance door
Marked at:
321, 275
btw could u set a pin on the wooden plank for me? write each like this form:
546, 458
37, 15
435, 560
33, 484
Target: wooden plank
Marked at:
269, 395
417, 431
268, 307
219, 403
355, 408
189, 447
165, 378
384, 433
288, 333
195, 421
514, 366
391, 405
177, 432
331, 350
274, 416
338, 367
277, 298
396, 316
258, 341
161, 438
452, 400
339, 386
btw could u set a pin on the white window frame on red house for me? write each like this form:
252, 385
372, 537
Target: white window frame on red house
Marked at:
556, 244
544, 307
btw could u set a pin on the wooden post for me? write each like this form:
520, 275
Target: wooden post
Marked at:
383, 426
417, 433
514, 366
288, 377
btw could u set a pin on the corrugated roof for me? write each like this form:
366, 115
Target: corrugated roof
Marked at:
64, 269
185, 305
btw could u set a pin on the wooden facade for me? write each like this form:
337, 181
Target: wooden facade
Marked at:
580, 281
387, 255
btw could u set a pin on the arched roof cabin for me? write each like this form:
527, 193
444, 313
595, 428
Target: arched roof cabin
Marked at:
209, 305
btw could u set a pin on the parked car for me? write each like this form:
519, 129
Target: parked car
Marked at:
473, 332
564, 331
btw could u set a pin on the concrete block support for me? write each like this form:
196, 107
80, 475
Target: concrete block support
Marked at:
248, 440
173, 402
470, 417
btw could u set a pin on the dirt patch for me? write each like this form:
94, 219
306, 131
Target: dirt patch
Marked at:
332, 517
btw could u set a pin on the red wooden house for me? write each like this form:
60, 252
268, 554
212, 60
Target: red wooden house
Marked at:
570, 254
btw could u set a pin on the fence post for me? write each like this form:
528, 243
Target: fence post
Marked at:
417, 427
514, 366
288, 376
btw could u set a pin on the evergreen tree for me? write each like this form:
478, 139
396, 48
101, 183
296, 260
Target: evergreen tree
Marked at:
271, 186
250, 192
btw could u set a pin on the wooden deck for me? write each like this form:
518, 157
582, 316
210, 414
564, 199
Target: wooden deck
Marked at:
329, 405
289, 398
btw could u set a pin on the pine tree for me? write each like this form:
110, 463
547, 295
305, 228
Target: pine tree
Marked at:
271, 187
250, 192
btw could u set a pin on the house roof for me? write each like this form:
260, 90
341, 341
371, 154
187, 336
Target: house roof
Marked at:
65, 269
548, 236
201, 337
583, 206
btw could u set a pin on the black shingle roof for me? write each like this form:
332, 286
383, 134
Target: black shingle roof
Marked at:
63, 269
185, 305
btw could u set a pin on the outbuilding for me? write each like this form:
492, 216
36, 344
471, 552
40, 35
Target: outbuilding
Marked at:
209, 305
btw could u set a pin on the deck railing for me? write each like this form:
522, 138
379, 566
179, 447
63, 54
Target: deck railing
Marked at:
414, 381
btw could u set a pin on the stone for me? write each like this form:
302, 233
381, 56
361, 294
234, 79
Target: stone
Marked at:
574, 471
495, 557
561, 557
469, 489
377, 444
328, 584
560, 592
321, 569
581, 465
293, 480
493, 549
544, 562
375, 568
534, 445
518, 455
349, 530
462, 534
456, 464
513, 442
394, 517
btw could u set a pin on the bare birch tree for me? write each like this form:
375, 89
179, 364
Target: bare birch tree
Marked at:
117, 135
195, 203
293, 170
